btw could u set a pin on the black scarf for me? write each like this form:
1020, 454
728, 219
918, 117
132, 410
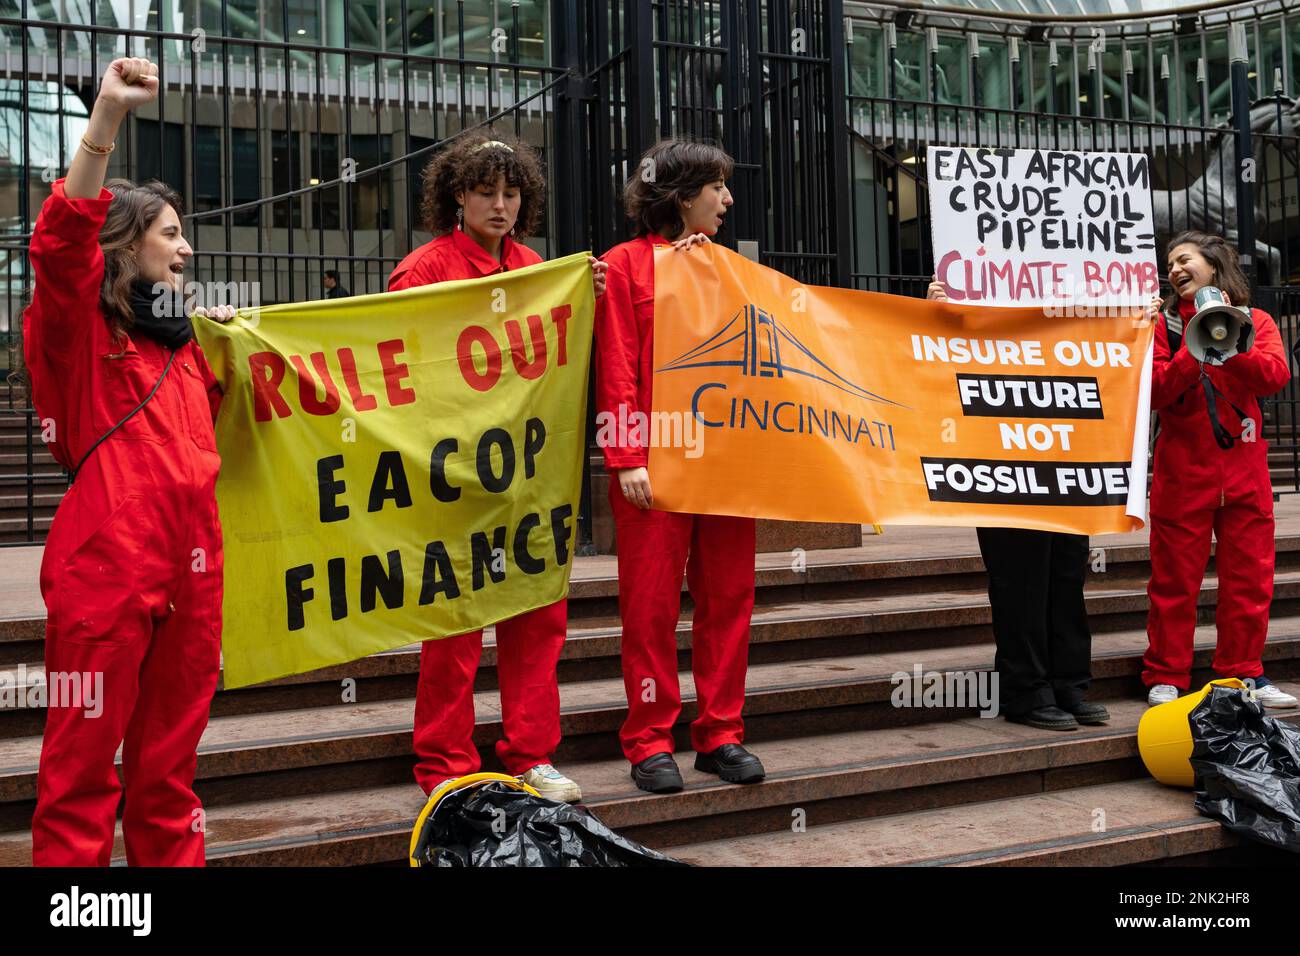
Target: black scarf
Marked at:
160, 317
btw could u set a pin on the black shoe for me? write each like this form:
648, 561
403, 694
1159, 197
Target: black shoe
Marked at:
1046, 718
1089, 713
658, 773
733, 763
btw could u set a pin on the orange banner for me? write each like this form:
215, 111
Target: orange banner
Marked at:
774, 399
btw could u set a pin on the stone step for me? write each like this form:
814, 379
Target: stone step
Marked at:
1143, 822
778, 632
878, 569
294, 752
836, 783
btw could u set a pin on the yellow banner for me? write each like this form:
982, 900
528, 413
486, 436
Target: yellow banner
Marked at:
774, 399
398, 467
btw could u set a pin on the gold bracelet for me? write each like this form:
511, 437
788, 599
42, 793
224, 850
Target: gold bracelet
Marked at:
96, 149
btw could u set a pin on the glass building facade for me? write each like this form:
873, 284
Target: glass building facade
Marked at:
1169, 64
271, 98
262, 98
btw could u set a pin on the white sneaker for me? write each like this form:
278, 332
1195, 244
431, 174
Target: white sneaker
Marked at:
437, 791
551, 784
1162, 694
1270, 695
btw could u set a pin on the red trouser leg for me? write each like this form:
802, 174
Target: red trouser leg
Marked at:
528, 651
652, 548
720, 574
444, 709
1180, 550
107, 591
1244, 554
162, 823
77, 787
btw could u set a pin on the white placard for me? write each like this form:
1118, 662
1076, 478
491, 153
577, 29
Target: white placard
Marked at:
1041, 227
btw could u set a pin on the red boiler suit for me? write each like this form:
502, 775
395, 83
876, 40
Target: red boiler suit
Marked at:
132, 570
1199, 488
656, 547
528, 646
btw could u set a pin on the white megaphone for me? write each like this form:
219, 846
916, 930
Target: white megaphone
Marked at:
1217, 331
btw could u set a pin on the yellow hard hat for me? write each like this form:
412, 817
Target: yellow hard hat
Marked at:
460, 783
1165, 736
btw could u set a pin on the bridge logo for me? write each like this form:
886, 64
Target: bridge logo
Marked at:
756, 342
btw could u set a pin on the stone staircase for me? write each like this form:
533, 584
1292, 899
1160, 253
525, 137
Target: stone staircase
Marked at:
290, 774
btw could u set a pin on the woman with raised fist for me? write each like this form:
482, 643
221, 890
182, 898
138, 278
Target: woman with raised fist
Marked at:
677, 196
1210, 477
481, 195
131, 574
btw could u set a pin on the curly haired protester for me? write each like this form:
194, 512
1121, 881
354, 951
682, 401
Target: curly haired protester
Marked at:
1200, 488
131, 573
1040, 622
481, 194
682, 204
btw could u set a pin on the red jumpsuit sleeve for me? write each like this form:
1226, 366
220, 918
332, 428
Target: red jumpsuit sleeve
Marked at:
210, 382
69, 270
1263, 370
1170, 377
618, 342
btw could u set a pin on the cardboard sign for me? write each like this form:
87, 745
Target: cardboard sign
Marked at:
1035, 227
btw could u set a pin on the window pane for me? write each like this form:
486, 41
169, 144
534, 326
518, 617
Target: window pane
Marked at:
1189, 53
1166, 102
285, 176
867, 63
1139, 94
245, 186
325, 166
161, 158
909, 67
950, 63
991, 71
207, 169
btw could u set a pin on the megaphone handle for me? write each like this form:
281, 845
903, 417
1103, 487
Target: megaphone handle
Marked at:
1221, 436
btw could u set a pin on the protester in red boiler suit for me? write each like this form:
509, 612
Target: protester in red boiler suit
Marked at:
1200, 488
677, 195
131, 573
480, 195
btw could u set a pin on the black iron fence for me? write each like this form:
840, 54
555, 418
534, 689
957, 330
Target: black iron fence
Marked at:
295, 157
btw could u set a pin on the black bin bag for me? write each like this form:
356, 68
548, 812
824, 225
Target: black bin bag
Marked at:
1247, 768
498, 824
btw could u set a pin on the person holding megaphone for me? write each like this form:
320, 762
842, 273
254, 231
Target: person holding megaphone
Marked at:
1214, 355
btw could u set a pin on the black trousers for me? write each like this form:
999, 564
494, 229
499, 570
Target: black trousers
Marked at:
1044, 647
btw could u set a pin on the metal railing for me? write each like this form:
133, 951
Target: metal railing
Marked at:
829, 187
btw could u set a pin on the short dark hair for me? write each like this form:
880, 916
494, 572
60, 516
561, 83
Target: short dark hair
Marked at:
1223, 257
332, 274
671, 172
476, 159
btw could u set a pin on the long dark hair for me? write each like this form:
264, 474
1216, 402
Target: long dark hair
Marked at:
671, 172
1223, 257
133, 210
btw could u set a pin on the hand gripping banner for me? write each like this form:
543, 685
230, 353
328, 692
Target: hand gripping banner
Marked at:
398, 467
774, 399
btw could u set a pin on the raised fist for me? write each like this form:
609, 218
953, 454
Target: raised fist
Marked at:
129, 82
